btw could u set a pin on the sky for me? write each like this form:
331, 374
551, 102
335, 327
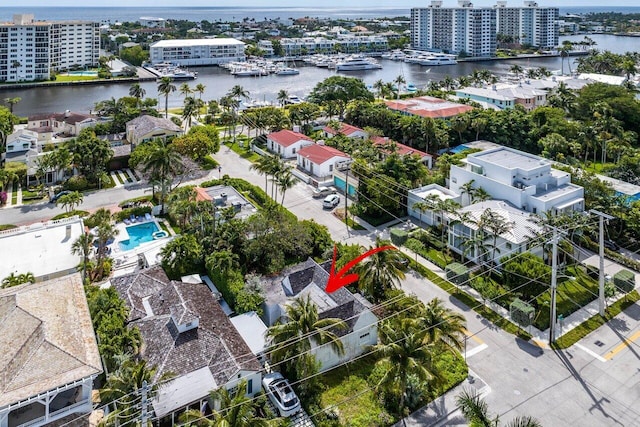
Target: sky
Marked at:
302, 4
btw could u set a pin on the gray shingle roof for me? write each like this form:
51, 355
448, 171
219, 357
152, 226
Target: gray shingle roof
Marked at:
144, 124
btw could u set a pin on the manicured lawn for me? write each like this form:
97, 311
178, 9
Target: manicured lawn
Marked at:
60, 78
598, 167
243, 152
70, 214
7, 227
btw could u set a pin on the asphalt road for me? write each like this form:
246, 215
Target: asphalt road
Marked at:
594, 383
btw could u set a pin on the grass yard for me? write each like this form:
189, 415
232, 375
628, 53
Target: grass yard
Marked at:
243, 152
60, 78
597, 167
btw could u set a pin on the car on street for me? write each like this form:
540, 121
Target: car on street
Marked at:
331, 201
321, 192
611, 245
55, 198
281, 394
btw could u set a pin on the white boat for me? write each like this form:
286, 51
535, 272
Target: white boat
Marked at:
293, 99
178, 74
287, 71
357, 63
437, 59
246, 72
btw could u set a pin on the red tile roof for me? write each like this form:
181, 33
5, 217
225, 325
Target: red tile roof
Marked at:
428, 106
345, 129
319, 154
202, 195
287, 137
403, 150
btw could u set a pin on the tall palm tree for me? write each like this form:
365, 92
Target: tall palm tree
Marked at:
282, 98
468, 189
285, 181
162, 163
403, 352
83, 246
165, 87
399, 81
378, 85
238, 92
381, 271
11, 102
293, 336
200, 88
517, 70
137, 92
476, 411
442, 325
185, 89
495, 225
263, 167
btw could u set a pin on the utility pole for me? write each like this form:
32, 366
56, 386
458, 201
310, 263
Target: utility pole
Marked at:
143, 403
554, 285
346, 202
601, 300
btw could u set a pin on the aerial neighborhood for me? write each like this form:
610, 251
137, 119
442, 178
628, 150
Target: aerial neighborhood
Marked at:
188, 238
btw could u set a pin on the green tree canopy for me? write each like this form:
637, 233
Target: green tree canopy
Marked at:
90, 154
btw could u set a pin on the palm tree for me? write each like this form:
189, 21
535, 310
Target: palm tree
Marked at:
496, 225
11, 102
16, 280
105, 234
236, 410
517, 70
403, 352
381, 271
162, 163
302, 328
263, 167
285, 180
190, 109
200, 88
83, 246
238, 92
70, 201
137, 92
476, 411
379, 87
399, 81
468, 189
442, 325
165, 87
283, 96
480, 195
185, 89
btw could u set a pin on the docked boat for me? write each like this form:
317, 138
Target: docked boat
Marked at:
292, 100
437, 59
287, 71
357, 63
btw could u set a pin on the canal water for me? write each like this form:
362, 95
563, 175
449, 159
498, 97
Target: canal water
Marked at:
218, 81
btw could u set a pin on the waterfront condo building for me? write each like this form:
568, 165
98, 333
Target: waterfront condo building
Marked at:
461, 30
186, 52
32, 50
528, 24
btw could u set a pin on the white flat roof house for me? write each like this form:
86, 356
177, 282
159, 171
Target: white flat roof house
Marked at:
48, 353
43, 249
419, 195
525, 180
197, 51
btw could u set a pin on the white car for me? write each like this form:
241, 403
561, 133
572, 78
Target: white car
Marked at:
323, 192
281, 394
331, 201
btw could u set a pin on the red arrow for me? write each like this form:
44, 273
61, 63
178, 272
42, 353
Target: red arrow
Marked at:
336, 281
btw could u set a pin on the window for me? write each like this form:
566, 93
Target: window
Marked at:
250, 386
364, 336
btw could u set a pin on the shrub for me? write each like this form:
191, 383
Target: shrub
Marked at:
141, 199
126, 213
457, 273
399, 236
526, 272
521, 312
70, 214
624, 280
76, 183
415, 245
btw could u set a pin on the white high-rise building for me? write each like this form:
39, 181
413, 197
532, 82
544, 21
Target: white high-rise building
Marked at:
462, 29
528, 24
31, 50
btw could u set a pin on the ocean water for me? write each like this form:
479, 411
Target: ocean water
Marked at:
228, 14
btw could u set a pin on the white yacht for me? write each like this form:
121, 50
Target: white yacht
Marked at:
287, 71
357, 63
437, 59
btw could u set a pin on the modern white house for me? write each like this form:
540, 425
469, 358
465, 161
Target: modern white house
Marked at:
42, 248
185, 52
521, 229
286, 143
309, 279
49, 355
146, 128
525, 180
185, 331
345, 129
320, 160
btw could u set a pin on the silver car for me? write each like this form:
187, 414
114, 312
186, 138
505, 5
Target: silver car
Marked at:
281, 394
331, 201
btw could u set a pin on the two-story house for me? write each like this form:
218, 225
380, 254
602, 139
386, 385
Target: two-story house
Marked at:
286, 143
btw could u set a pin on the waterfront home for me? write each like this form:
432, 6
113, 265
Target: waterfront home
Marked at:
146, 128
320, 160
309, 279
186, 333
22, 140
286, 143
187, 52
65, 125
505, 95
49, 355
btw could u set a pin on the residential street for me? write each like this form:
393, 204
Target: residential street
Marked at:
594, 383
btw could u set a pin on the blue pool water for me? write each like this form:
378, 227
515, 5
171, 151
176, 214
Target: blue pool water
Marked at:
458, 149
140, 233
83, 73
630, 199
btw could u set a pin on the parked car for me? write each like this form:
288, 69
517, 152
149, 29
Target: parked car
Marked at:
331, 201
611, 245
281, 394
321, 192
57, 196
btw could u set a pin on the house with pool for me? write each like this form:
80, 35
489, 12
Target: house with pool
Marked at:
138, 243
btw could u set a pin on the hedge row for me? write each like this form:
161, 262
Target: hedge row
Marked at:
126, 213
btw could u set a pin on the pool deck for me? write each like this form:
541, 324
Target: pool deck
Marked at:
621, 186
123, 235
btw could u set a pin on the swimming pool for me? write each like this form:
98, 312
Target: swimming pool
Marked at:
83, 73
629, 198
458, 149
139, 233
